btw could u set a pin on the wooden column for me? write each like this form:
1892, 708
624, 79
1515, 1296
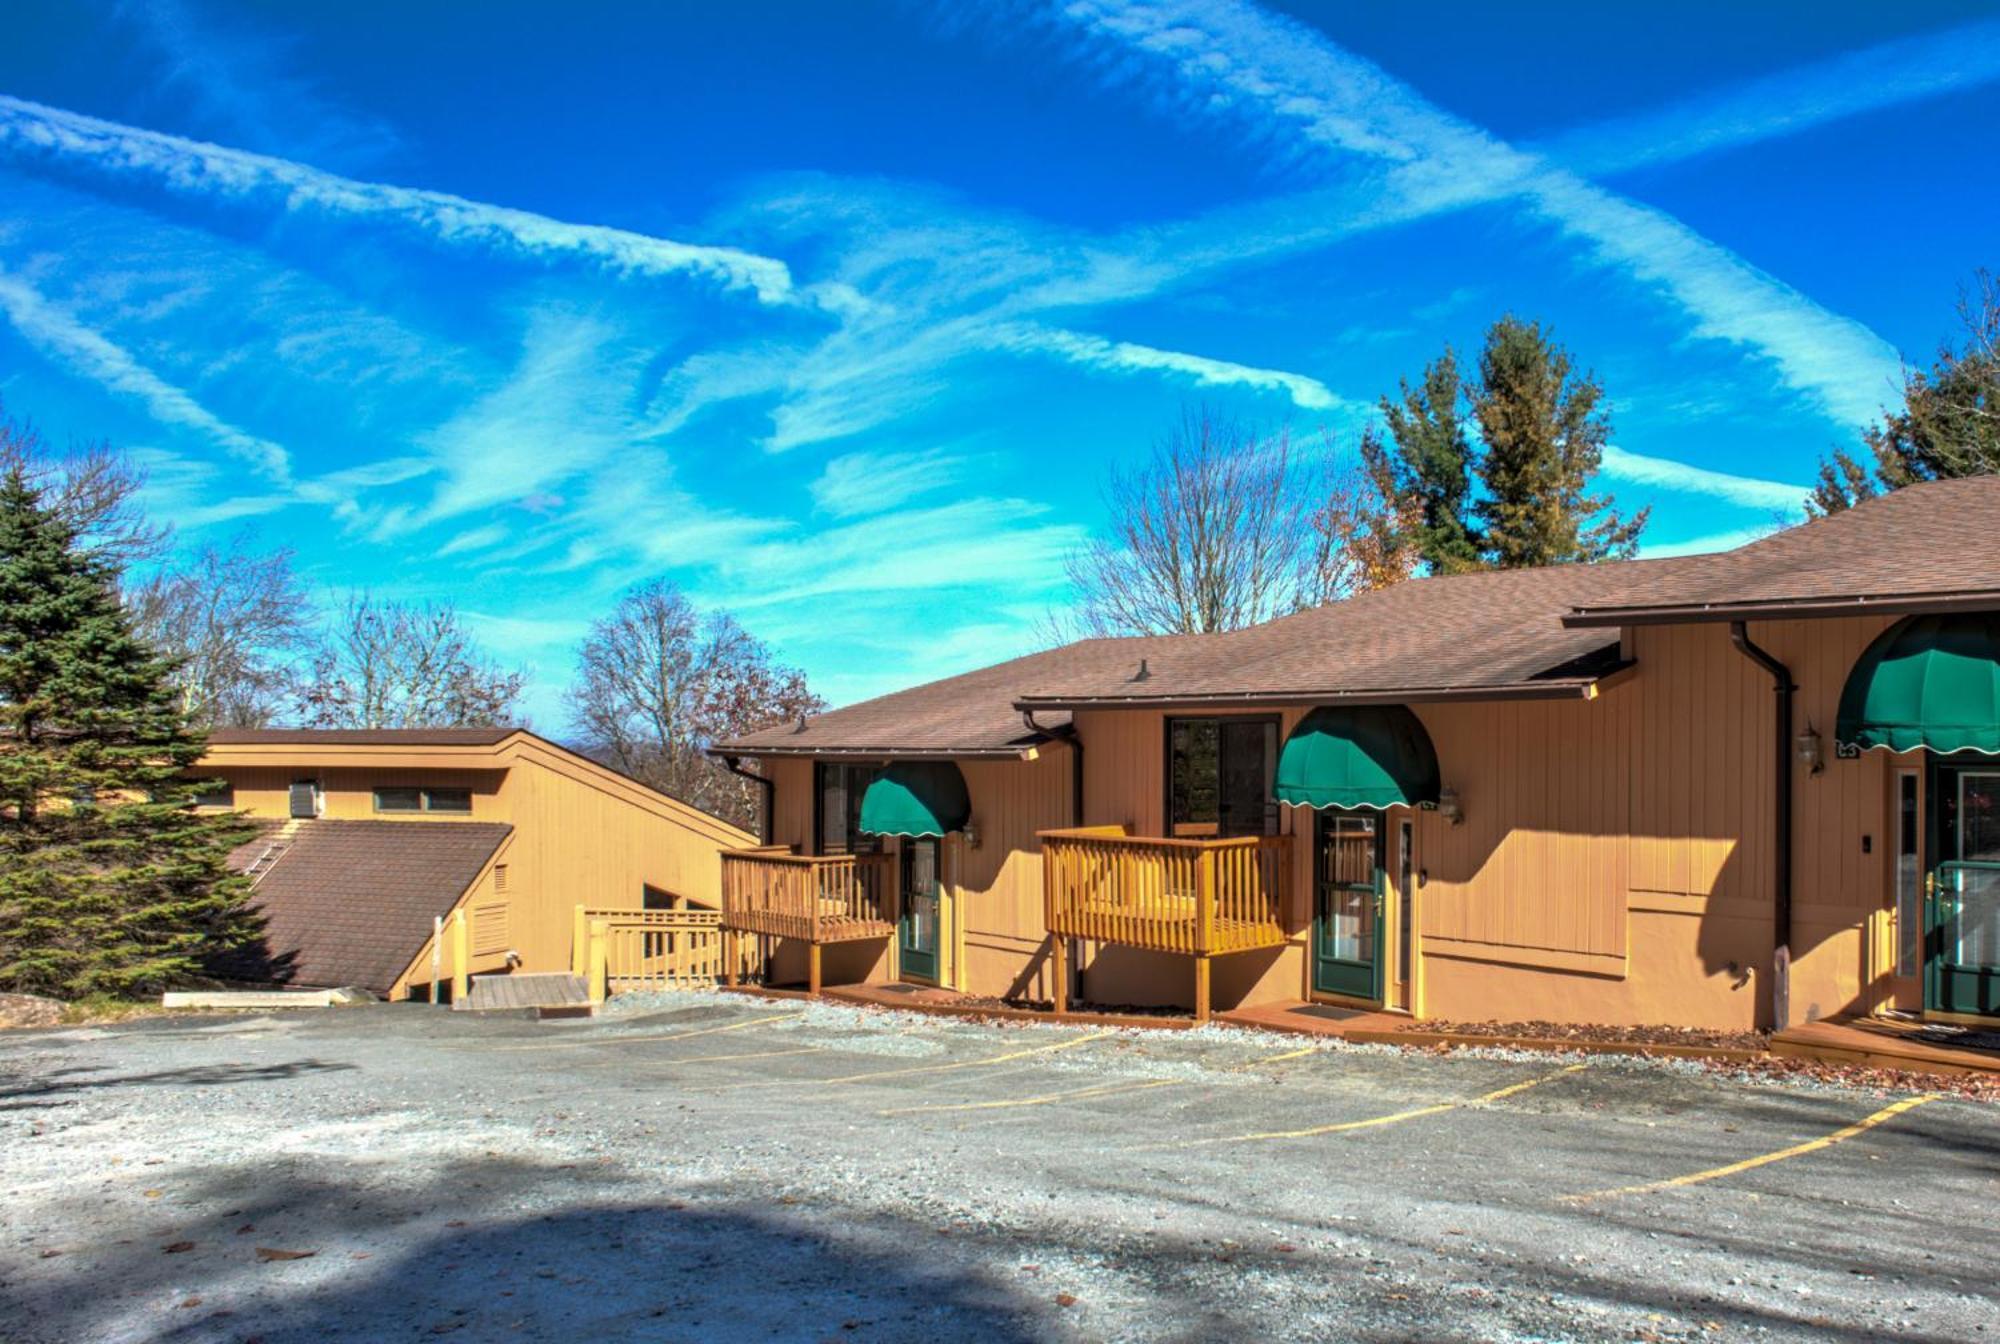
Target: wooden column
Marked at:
579, 944
461, 958
1201, 990
812, 969
729, 957
600, 939
1059, 970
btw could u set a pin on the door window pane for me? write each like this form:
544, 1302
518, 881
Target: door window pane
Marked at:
1349, 865
1909, 877
1972, 929
920, 893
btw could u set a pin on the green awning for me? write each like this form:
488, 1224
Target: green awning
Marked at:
916, 798
1358, 756
1926, 681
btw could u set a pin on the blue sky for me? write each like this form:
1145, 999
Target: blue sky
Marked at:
838, 314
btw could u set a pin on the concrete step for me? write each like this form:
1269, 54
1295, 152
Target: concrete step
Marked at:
546, 991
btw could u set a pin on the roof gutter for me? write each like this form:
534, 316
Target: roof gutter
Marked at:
1066, 733
881, 755
1900, 604
1781, 861
1567, 688
764, 785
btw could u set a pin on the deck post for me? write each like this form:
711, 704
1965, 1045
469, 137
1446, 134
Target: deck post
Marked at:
461, 958
579, 945
812, 970
729, 957
600, 938
1059, 969
1201, 990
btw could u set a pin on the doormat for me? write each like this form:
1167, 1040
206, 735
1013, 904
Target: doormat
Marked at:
1959, 1038
901, 988
1329, 1012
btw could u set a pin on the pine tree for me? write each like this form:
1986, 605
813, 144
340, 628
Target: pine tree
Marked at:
1544, 433
1950, 422
110, 882
1426, 467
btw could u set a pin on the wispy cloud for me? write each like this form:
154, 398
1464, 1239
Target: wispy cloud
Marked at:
57, 333
191, 167
1309, 99
1661, 473
1711, 541
855, 484
1096, 352
1891, 74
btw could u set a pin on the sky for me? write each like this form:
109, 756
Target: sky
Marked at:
838, 315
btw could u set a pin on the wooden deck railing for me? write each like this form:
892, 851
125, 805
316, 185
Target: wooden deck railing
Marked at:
670, 949
1198, 898
831, 899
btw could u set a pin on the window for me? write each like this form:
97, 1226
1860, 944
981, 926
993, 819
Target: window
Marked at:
1219, 776
216, 793
400, 798
837, 815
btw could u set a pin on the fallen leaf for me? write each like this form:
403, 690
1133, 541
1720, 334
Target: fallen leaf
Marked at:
247, 1227
152, 1194
191, 1302
1284, 1248
176, 1247
1399, 1297
1065, 1299
456, 1222
269, 1253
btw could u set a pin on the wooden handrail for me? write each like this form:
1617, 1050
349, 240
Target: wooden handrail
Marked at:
1198, 898
817, 898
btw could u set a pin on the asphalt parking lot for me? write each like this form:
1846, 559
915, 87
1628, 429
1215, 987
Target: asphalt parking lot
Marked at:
721, 1168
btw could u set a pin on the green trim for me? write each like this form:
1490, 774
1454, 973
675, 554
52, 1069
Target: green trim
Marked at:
916, 798
1926, 681
1358, 756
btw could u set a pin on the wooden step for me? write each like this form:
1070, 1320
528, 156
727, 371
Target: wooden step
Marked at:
546, 990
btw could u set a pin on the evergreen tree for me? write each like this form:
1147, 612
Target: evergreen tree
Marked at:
1950, 422
110, 882
1544, 432
1426, 467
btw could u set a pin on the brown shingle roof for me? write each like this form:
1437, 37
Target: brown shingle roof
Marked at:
362, 737
1922, 546
351, 902
1487, 635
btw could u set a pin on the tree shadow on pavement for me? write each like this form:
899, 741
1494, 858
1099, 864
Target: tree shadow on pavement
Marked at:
61, 1081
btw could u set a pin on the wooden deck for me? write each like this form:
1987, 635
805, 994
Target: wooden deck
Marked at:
1194, 898
1893, 1043
816, 899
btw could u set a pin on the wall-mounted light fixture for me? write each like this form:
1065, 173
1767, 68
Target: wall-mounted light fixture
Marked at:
971, 834
1806, 749
1449, 806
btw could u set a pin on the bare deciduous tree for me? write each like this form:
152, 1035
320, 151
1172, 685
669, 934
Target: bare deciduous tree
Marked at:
659, 681
1220, 530
395, 665
92, 487
234, 620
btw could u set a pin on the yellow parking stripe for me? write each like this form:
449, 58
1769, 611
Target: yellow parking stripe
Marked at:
1373, 1122
613, 1039
1861, 1126
1047, 1099
923, 1068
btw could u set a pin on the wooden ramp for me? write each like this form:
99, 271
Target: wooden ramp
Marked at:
1894, 1043
549, 993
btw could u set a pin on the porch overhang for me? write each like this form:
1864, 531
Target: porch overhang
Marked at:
1374, 756
916, 798
1927, 681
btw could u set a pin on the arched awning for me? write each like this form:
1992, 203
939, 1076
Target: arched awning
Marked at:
1926, 681
916, 798
1358, 756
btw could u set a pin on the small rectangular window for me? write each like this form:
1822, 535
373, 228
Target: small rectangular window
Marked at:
1219, 776
447, 800
216, 793
399, 800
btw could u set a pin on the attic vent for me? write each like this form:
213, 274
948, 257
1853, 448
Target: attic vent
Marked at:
305, 798
490, 930
499, 877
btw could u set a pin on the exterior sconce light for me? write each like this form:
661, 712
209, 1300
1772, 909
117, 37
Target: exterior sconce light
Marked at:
1806, 750
971, 834
1449, 806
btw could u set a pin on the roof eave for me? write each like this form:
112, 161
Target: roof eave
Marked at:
882, 753
1563, 688
1790, 609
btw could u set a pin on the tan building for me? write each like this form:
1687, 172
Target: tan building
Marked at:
1717, 791
371, 838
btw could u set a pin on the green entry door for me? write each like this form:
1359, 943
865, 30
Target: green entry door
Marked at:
1347, 906
917, 929
1962, 927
